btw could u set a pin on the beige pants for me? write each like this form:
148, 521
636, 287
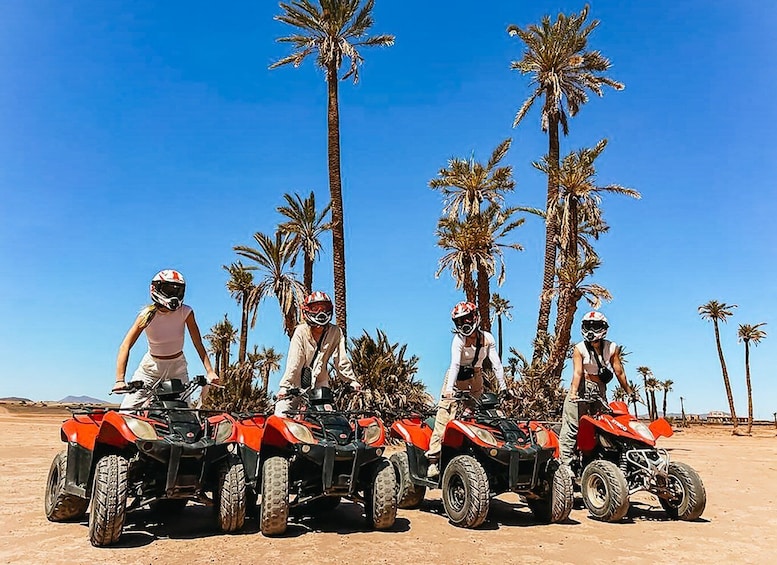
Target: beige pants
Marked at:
447, 410
150, 371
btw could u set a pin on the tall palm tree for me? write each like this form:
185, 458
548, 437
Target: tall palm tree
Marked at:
457, 238
563, 71
306, 224
466, 184
634, 398
750, 333
267, 361
646, 373
273, 255
666, 386
652, 384
241, 287
720, 312
500, 307
221, 337
332, 30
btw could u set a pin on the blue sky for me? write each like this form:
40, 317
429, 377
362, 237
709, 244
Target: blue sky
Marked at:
145, 135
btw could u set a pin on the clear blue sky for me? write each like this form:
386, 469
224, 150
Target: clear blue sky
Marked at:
145, 135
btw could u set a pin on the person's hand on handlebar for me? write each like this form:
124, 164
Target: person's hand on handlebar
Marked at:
119, 385
213, 378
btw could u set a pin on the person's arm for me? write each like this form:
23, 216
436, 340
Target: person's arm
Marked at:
295, 360
577, 373
124, 350
496, 363
194, 334
453, 369
620, 372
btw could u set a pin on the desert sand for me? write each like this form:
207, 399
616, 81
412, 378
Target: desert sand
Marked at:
738, 526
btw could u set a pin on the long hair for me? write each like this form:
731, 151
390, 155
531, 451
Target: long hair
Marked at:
147, 314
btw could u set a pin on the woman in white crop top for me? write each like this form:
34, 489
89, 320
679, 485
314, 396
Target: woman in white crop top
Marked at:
164, 322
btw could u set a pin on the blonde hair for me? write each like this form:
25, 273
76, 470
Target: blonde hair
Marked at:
147, 314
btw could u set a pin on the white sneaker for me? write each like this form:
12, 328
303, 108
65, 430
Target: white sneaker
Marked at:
433, 471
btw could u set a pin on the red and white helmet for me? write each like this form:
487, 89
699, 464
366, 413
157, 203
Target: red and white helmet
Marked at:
317, 308
594, 326
167, 289
465, 318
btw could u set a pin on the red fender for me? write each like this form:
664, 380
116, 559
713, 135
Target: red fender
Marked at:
413, 431
619, 408
545, 437
456, 431
660, 428
82, 429
276, 434
365, 422
114, 431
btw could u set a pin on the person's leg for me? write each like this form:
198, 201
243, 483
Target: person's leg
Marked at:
147, 373
568, 434
445, 413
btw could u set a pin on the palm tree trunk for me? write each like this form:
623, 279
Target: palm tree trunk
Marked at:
308, 274
484, 297
664, 405
551, 233
470, 290
749, 389
499, 326
336, 195
241, 352
653, 403
726, 382
567, 306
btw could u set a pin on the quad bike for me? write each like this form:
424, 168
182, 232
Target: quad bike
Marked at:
616, 456
161, 455
313, 457
484, 454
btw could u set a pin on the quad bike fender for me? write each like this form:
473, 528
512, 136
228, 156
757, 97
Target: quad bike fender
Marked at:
458, 433
546, 437
250, 432
277, 435
365, 423
114, 432
413, 431
660, 428
619, 408
81, 431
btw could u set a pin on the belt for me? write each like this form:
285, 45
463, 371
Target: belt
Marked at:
165, 357
594, 379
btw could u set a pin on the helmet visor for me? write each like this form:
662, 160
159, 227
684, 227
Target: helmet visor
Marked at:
171, 290
594, 325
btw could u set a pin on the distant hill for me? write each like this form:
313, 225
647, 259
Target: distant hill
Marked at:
15, 399
82, 400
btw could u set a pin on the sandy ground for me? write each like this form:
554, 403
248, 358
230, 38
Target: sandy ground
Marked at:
738, 526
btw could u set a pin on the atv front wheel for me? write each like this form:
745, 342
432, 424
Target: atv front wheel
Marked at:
231, 497
465, 492
557, 505
60, 506
409, 495
275, 496
109, 500
689, 498
380, 505
605, 492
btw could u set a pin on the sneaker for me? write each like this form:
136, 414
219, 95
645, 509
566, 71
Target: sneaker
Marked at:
432, 472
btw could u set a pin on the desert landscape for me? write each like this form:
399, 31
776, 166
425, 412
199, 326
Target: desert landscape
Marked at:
739, 473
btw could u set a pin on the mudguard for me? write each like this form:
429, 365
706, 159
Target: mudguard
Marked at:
414, 431
364, 423
660, 428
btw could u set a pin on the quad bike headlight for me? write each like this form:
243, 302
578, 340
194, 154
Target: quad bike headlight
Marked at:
223, 431
483, 435
372, 433
642, 430
302, 433
141, 428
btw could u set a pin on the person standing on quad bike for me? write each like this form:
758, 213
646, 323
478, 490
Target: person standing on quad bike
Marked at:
312, 345
595, 360
163, 321
471, 346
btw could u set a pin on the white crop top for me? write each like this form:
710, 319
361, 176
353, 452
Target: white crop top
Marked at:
589, 363
465, 355
165, 332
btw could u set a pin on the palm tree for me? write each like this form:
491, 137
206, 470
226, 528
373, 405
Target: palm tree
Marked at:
666, 387
634, 398
241, 287
267, 361
306, 224
500, 307
332, 30
221, 337
562, 71
720, 312
456, 237
746, 334
646, 373
273, 256
652, 384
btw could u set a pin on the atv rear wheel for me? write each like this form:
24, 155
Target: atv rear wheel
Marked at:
109, 500
59, 505
465, 492
274, 510
605, 492
557, 505
380, 497
689, 498
231, 497
409, 495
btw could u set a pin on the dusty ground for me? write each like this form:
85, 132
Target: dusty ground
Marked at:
739, 525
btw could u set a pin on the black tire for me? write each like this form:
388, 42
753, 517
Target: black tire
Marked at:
321, 505
605, 492
61, 507
109, 500
380, 506
690, 497
465, 494
558, 504
231, 497
274, 511
409, 495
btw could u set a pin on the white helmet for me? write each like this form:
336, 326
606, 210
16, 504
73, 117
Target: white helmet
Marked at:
594, 326
167, 289
465, 318
321, 315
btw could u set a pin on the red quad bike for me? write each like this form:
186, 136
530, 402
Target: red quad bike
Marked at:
315, 456
617, 456
161, 455
484, 454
